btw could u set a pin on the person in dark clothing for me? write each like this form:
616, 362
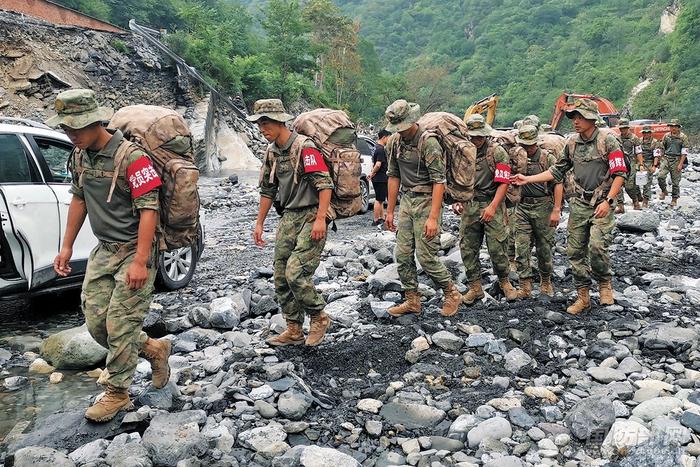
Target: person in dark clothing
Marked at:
378, 176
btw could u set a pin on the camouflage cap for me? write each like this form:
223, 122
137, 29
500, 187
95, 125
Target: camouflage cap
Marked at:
533, 120
546, 127
527, 135
77, 108
400, 115
674, 122
587, 108
646, 129
477, 126
517, 124
269, 108
623, 123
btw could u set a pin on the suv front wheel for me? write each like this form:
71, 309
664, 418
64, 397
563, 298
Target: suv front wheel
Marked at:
176, 267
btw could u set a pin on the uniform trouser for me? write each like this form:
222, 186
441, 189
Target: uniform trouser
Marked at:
646, 189
114, 313
532, 222
589, 241
510, 225
669, 165
411, 243
630, 186
296, 258
472, 232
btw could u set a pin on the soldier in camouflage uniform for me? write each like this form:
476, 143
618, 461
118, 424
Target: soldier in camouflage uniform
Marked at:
536, 215
416, 165
651, 154
295, 175
485, 215
631, 147
598, 163
118, 285
675, 151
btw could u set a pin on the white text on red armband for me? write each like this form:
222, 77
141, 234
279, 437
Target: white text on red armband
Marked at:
616, 160
502, 173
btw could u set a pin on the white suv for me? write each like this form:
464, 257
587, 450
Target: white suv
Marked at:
34, 200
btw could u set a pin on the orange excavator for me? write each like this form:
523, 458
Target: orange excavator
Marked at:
608, 112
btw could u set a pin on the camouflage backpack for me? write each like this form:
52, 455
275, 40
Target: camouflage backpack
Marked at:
165, 136
460, 153
334, 134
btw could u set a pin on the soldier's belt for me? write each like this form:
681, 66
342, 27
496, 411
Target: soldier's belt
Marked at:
419, 190
114, 247
535, 199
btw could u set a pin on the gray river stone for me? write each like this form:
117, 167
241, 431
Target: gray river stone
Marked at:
73, 349
412, 415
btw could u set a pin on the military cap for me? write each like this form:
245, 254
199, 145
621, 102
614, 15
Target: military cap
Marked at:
77, 108
646, 129
533, 120
477, 126
586, 107
674, 122
527, 135
623, 123
400, 115
547, 127
517, 124
269, 108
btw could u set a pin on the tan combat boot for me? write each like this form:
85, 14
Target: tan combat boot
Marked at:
474, 293
411, 304
319, 326
112, 401
663, 194
513, 265
293, 335
546, 287
645, 203
635, 205
620, 209
674, 202
452, 301
157, 353
606, 293
525, 290
582, 303
508, 289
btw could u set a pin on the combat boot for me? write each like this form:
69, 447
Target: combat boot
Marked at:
525, 290
645, 203
411, 304
606, 293
663, 194
546, 287
674, 202
157, 353
582, 303
452, 301
508, 289
513, 265
319, 326
620, 209
112, 401
635, 205
293, 335
474, 293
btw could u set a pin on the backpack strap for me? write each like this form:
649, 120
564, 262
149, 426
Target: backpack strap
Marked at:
603, 153
124, 150
75, 165
295, 152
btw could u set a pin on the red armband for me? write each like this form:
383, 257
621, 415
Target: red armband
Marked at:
502, 174
616, 160
313, 161
142, 177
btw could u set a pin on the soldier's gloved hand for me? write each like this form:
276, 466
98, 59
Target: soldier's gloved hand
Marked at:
61, 262
390, 221
601, 210
258, 235
488, 213
554, 218
457, 208
318, 231
136, 275
431, 228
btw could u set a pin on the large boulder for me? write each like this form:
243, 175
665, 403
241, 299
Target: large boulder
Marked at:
590, 415
36, 456
386, 278
314, 456
173, 437
638, 221
226, 312
668, 337
73, 349
412, 415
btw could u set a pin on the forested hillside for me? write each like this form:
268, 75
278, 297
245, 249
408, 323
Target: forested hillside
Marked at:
361, 54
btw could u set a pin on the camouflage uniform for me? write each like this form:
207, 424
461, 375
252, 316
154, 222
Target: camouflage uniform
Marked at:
649, 146
418, 169
296, 255
673, 147
114, 312
631, 147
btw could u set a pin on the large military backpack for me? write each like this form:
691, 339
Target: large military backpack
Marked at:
334, 134
165, 136
460, 153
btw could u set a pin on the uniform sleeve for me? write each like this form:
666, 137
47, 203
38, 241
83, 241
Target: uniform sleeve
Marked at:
612, 146
391, 164
434, 159
144, 182
314, 168
684, 142
75, 187
664, 141
503, 168
267, 188
563, 165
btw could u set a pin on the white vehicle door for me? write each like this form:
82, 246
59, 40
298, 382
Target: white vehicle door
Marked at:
56, 153
29, 211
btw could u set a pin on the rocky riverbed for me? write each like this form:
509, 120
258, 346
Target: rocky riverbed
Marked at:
500, 384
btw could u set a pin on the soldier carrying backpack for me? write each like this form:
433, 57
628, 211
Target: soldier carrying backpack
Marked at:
298, 173
118, 185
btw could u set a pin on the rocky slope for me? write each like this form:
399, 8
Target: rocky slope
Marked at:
500, 384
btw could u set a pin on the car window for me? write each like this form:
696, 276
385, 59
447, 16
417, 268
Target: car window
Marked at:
14, 164
56, 154
364, 146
